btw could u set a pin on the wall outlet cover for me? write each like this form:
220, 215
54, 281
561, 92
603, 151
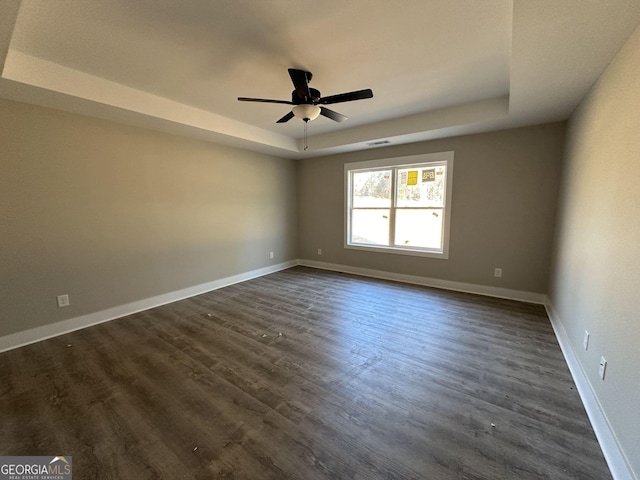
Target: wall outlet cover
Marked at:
603, 367
63, 300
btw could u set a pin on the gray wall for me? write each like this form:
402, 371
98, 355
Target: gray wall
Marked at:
505, 187
111, 214
596, 272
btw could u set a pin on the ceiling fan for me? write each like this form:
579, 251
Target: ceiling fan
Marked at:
307, 102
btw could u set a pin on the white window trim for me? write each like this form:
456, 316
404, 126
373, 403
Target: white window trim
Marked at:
442, 157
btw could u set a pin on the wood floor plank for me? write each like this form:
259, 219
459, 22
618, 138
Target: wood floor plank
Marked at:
305, 374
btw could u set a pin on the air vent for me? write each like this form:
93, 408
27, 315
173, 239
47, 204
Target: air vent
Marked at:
378, 143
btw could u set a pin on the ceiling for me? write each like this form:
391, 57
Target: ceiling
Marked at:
437, 68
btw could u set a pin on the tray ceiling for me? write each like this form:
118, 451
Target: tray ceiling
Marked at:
437, 68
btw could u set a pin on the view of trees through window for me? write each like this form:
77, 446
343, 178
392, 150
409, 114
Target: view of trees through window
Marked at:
399, 207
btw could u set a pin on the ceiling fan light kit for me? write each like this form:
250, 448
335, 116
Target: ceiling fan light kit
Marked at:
306, 112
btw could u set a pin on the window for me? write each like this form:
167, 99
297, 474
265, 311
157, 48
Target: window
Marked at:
400, 205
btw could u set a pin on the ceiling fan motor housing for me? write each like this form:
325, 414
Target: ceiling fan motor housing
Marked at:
298, 99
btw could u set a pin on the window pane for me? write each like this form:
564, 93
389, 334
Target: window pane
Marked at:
370, 226
421, 186
372, 189
419, 228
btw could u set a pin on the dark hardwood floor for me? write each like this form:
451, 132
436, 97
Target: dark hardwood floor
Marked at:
305, 374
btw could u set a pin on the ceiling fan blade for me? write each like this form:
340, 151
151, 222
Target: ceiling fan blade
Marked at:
264, 100
347, 97
286, 118
300, 80
338, 117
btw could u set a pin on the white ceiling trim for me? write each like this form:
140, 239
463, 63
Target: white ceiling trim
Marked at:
36, 72
416, 127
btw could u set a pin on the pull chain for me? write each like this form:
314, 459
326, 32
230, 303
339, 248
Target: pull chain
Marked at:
306, 145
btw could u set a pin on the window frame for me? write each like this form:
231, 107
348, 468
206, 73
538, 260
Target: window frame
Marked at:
429, 160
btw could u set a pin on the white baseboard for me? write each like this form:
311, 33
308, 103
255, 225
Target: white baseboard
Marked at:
613, 454
26, 337
529, 297
16, 340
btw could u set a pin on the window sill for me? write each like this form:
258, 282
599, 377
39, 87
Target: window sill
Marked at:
399, 251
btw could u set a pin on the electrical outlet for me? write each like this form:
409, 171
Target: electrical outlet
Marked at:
319, 251
63, 300
603, 367
585, 340
497, 272
270, 254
